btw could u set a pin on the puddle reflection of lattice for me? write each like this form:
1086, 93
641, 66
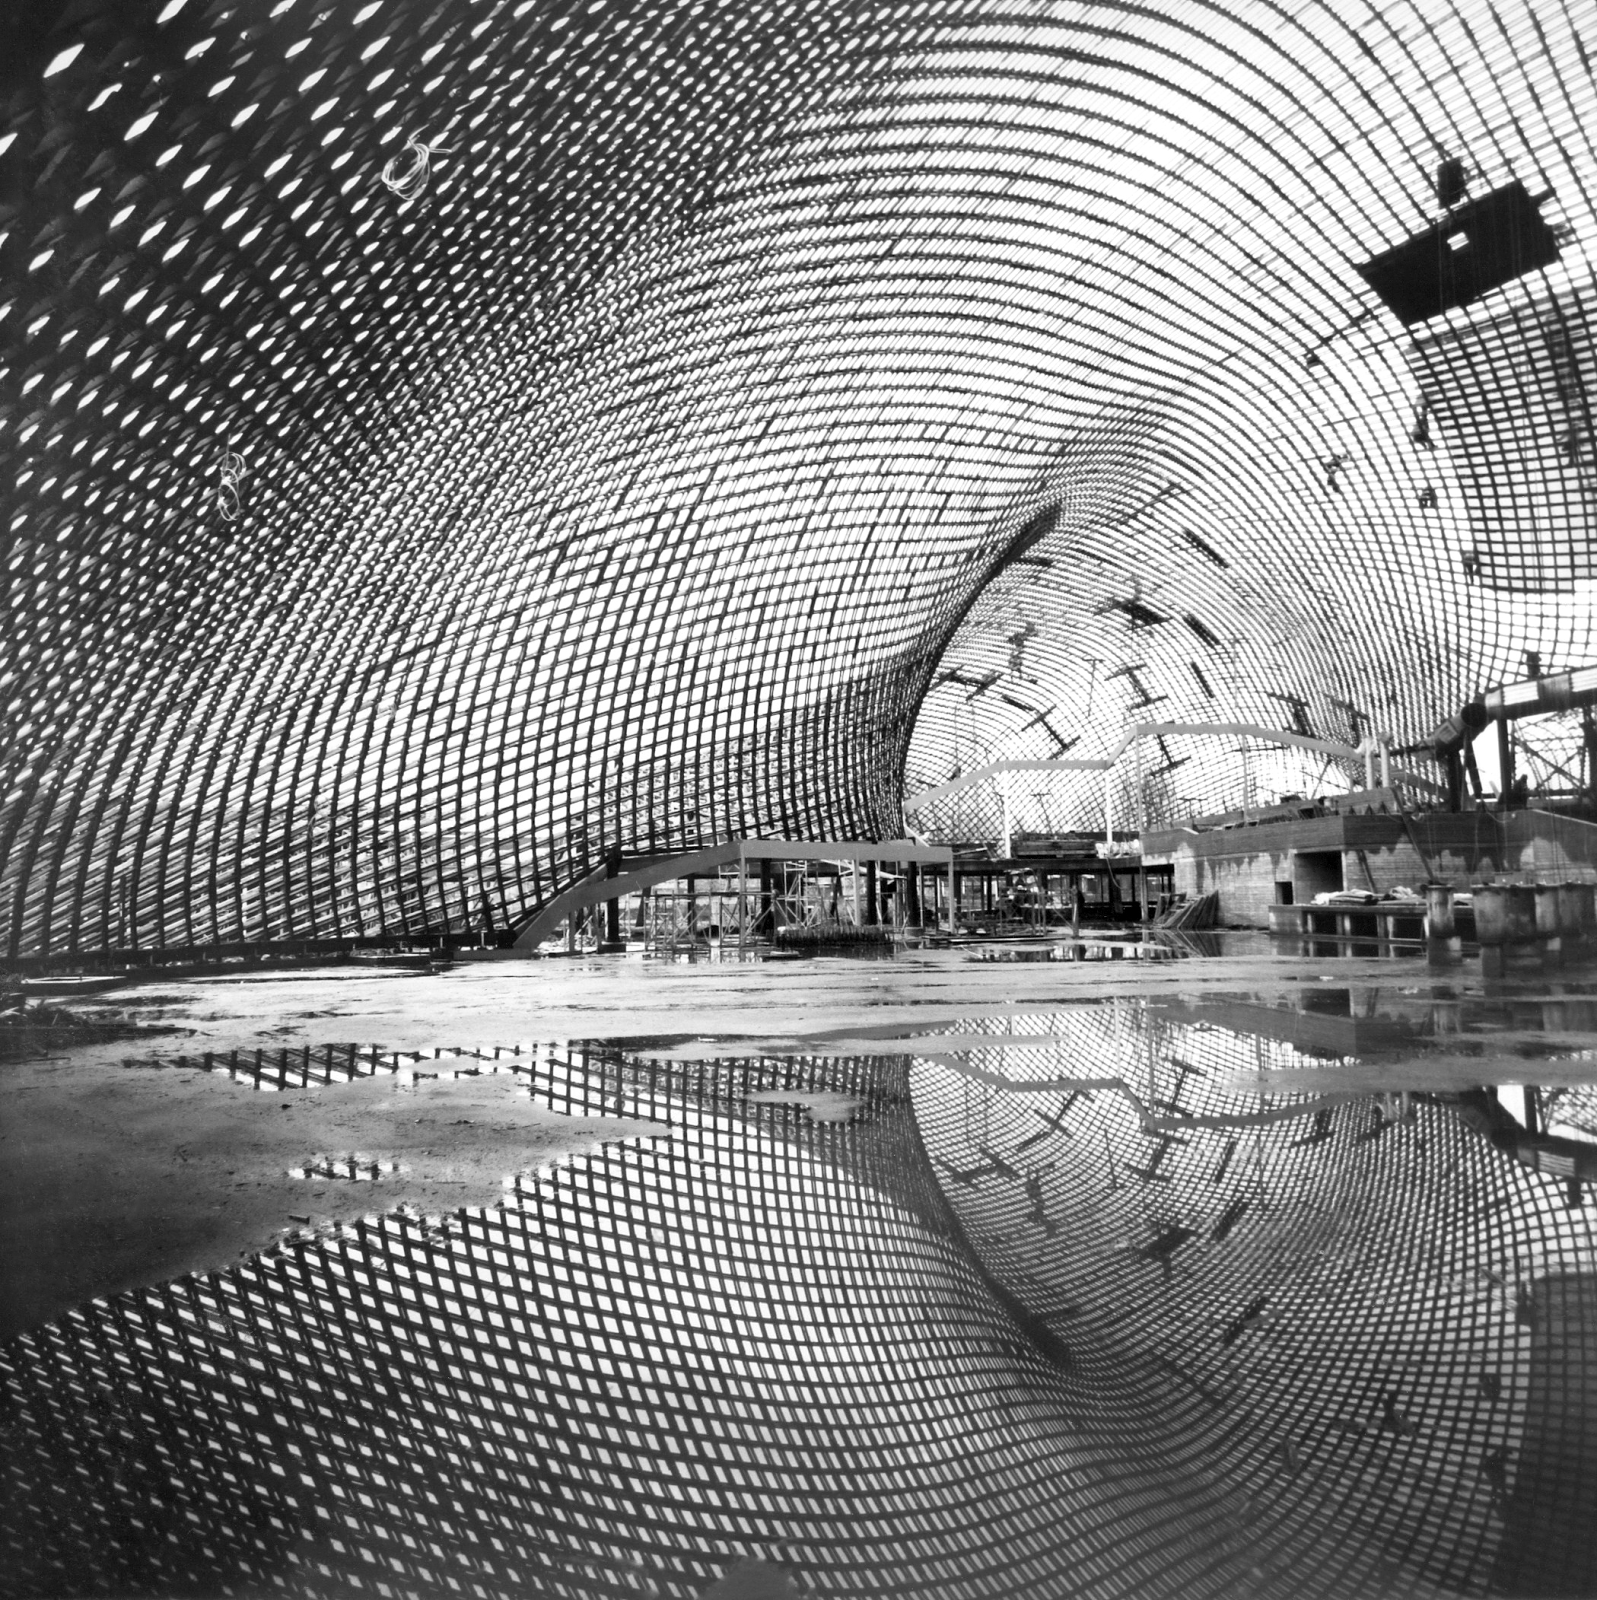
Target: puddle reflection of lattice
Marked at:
1346, 1314
757, 1339
1145, 1059
273, 1070
1572, 1110
766, 1323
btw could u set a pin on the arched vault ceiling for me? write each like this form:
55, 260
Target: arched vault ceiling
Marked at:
739, 391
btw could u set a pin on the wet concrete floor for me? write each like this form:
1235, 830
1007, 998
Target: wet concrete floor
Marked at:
1158, 1173
112, 1176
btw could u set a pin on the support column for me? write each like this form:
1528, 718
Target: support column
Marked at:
1505, 762
953, 900
693, 913
873, 904
612, 908
1472, 770
1440, 924
854, 883
1142, 834
765, 926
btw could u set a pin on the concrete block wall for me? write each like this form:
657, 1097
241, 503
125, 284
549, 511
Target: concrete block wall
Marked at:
1246, 883
1459, 849
1550, 847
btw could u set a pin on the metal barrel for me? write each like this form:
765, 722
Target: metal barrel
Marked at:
1571, 921
1521, 913
1438, 911
1491, 912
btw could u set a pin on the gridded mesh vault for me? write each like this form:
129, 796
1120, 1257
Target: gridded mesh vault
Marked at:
708, 383
1317, 1353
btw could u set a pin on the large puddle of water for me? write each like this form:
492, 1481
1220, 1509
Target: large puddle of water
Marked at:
934, 1277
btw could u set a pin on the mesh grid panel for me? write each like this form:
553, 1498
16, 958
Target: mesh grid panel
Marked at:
448, 443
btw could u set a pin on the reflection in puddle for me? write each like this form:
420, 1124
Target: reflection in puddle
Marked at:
1078, 950
1161, 1297
1345, 1295
352, 1168
823, 1106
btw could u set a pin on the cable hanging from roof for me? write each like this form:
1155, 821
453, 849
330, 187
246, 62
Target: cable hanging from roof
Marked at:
230, 474
409, 181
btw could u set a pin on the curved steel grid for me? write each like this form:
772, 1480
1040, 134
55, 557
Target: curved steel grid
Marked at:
623, 479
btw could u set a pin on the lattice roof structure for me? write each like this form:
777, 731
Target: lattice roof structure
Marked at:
451, 442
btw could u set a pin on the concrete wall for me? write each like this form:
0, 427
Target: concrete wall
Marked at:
1550, 846
1246, 884
1379, 851
1245, 864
